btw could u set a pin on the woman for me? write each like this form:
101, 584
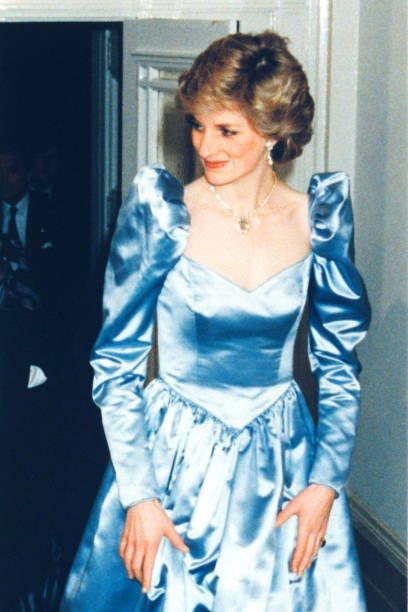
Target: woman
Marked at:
219, 453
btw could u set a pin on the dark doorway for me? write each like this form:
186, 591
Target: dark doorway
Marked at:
46, 102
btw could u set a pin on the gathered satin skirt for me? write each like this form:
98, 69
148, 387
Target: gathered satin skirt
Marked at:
223, 488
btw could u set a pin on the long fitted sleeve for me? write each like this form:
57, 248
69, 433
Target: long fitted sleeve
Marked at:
149, 238
339, 316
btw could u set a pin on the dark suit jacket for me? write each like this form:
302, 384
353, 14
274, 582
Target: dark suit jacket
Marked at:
36, 332
41, 247
27, 417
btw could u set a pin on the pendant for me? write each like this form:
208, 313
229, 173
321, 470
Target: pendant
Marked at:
243, 225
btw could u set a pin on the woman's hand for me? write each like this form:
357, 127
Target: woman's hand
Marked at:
146, 524
312, 507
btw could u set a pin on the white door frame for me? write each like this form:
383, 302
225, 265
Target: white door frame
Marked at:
105, 140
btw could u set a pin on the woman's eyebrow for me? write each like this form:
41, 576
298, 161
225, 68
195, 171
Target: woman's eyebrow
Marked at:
192, 118
228, 125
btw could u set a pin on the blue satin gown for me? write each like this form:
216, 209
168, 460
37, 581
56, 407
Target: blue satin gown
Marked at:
223, 436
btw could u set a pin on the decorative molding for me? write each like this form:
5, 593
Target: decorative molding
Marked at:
155, 53
378, 535
157, 75
174, 60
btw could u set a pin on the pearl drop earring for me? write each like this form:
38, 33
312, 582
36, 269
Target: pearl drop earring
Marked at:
268, 154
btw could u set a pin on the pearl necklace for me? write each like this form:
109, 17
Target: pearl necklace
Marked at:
243, 222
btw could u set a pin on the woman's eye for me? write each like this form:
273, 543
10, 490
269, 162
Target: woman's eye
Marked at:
228, 133
194, 124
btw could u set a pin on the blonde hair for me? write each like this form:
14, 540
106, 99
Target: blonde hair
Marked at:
258, 75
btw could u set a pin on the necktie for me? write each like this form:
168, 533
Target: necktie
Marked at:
21, 292
12, 231
15, 249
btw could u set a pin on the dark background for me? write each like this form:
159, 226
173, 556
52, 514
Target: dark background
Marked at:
46, 98
45, 81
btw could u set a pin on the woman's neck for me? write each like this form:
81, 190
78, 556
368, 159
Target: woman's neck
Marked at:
246, 194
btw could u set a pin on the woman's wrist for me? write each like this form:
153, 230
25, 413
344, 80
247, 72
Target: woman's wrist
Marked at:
141, 502
318, 486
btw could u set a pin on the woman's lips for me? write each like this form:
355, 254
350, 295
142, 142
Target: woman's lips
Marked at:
214, 165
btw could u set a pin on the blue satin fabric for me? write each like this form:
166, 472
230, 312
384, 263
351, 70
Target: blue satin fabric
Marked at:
223, 436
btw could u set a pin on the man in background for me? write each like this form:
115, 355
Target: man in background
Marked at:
28, 354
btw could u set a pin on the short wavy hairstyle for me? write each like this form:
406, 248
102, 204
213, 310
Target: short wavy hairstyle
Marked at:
257, 74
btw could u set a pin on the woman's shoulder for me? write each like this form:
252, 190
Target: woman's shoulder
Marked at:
293, 201
331, 186
156, 198
331, 216
154, 183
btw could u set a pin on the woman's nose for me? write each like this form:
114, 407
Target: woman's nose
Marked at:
206, 145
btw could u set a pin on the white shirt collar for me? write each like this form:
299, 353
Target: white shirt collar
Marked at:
21, 204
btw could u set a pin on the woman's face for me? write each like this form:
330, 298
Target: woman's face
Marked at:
227, 145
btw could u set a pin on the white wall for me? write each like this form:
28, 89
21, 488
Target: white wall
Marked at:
381, 210
341, 133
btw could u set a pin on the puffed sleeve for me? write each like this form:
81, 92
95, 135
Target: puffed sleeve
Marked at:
339, 315
150, 236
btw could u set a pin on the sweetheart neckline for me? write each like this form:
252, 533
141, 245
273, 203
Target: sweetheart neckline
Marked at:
261, 285
310, 196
